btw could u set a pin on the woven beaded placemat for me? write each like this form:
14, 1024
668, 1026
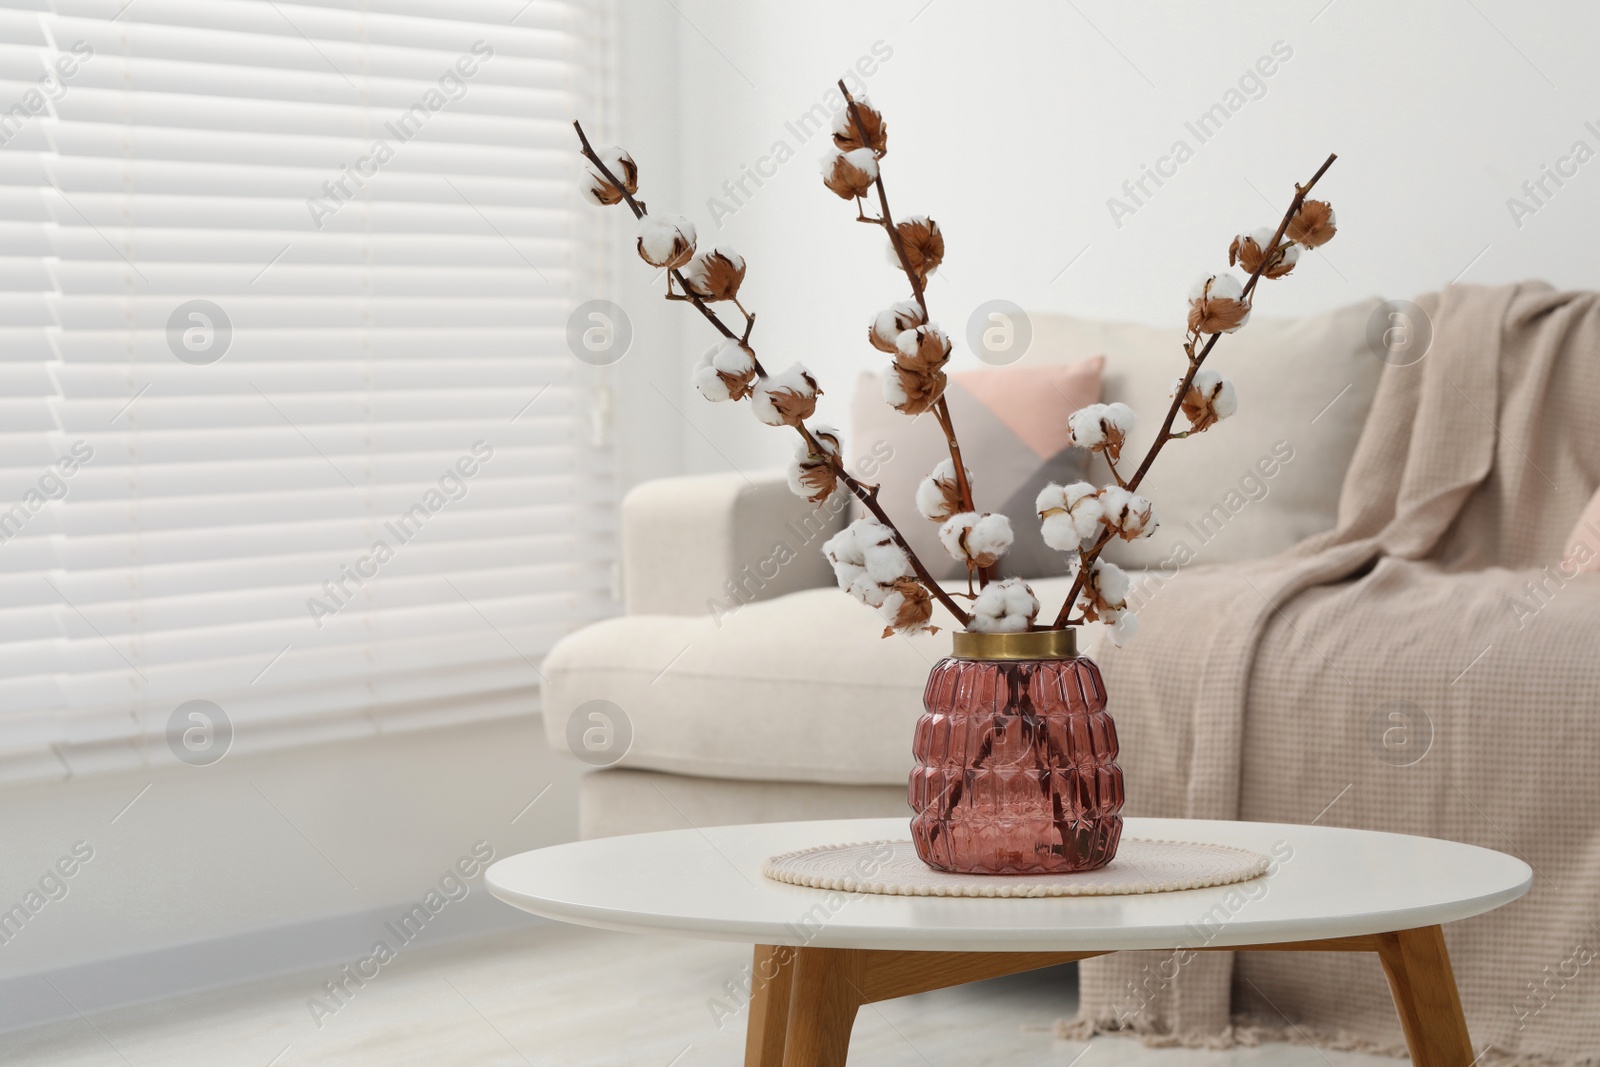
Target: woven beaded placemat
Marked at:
893, 868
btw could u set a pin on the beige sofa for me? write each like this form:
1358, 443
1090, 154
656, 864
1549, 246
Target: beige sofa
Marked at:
756, 691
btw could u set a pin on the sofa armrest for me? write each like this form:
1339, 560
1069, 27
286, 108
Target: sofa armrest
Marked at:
710, 542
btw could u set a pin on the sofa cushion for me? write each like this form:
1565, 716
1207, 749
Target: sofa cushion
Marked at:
1253, 484
1012, 423
800, 688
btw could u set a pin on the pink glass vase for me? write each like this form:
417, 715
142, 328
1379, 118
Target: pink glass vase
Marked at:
1016, 759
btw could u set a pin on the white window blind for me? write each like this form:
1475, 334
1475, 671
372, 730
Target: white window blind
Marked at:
383, 503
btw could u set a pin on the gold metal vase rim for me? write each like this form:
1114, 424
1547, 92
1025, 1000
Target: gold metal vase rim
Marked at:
1034, 644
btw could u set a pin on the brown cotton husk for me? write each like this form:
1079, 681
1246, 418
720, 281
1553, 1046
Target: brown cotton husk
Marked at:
1198, 408
625, 170
923, 243
1251, 256
847, 180
1216, 314
1313, 224
922, 388
916, 608
718, 279
872, 132
793, 406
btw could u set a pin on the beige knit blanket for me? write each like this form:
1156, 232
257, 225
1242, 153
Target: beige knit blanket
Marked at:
1300, 688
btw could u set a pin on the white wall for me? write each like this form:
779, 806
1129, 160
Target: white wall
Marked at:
648, 433
205, 875
1013, 123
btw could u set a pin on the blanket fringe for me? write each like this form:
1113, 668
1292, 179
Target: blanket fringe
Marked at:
1246, 1032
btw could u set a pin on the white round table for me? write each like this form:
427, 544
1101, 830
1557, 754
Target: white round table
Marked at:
820, 955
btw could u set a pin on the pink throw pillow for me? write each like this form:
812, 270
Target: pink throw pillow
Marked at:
1012, 424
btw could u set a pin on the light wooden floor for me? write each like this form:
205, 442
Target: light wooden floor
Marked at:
565, 996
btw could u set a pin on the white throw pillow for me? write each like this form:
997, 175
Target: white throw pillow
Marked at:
1253, 484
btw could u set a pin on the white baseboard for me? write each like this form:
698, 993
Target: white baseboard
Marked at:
102, 985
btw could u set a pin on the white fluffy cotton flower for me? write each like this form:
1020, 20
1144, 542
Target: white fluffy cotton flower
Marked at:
788, 397
939, 494
666, 240
1101, 428
907, 608
1069, 515
725, 371
978, 540
849, 174
1121, 625
1004, 607
1216, 305
1126, 514
811, 473
1209, 399
594, 185
867, 561
1104, 592
887, 325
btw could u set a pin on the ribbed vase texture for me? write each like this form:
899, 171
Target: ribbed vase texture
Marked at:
1016, 768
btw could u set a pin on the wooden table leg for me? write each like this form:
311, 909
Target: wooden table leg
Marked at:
1424, 989
772, 975
822, 1008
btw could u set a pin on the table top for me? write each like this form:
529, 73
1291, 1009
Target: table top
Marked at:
1324, 882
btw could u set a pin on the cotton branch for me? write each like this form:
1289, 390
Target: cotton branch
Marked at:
941, 409
1196, 360
868, 495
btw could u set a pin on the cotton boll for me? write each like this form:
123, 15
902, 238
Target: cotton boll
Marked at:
594, 185
666, 240
1216, 305
1124, 628
1060, 532
731, 357
907, 608
894, 392
710, 384
715, 275
990, 538
922, 348
976, 540
843, 548
1007, 606
869, 592
847, 574
1085, 427
1225, 402
887, 325
872, 132
1216, 287
923, 242
1210, 397
1101, 428
811, 474
1126, 514
1069, 515
854, 552
1112, 583
1251, 251
786, 398
886, 562
725, 372
849, 174
1313, 225
1083, 501
953, 531
939, 494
